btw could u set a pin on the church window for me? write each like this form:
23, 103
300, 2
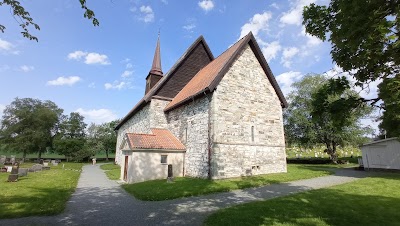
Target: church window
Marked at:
164, 159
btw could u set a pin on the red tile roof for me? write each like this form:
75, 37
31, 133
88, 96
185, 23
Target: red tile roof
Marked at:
207, 79
159, 139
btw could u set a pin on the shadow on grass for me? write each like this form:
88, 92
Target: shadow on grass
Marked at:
319, 207
40, 201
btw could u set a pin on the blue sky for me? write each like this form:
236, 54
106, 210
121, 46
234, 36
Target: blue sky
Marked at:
100, 71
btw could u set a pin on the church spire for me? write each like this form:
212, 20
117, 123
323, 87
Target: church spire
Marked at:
156, 67
155, 73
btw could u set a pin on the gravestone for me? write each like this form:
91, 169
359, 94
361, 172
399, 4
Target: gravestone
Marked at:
9, 168
12, 160
55, 163
23, 172
170, 177
13, 177
2, 159
41, 161
36, 167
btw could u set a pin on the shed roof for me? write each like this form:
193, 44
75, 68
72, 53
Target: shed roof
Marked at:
158, 139
379, 141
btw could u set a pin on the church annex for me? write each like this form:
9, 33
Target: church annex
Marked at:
208, 117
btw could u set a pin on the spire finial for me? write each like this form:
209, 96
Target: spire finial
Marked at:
156, 67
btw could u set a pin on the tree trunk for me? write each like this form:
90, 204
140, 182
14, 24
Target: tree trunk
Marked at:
40, 154
331, 150
24, 156
107, 155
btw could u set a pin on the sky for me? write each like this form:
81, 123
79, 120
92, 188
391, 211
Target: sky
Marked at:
100, 71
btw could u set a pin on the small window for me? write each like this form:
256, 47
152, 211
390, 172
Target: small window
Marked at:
164, 159
252, 133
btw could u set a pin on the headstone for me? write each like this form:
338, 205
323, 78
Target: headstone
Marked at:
12, 160
170, 177
2, 159
36, 167
41, 161
23, 172
13, 177
9, 168
46, 168
45, 164
55, 163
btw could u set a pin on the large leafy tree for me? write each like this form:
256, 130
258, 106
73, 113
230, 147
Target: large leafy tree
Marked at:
29, 125
318, 114
365, 42
25, 20
71, 139
103, 137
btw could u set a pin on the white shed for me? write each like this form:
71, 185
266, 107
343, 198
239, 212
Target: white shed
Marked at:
381, 154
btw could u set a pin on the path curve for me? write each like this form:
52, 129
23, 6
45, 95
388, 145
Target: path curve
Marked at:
100, 201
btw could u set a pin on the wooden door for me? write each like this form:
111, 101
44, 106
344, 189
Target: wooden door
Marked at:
126, 169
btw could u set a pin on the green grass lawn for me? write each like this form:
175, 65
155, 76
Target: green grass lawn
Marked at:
113, 171
40, 193
369, 201
157, 190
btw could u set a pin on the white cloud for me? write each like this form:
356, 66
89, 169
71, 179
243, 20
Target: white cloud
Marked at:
61, 81
95, 58
311, 40
77, 55
97, 116
90, 58
189, 27
126, 74
117, 85
286, 80
294, 15
147, 14
270, 50
206, 5
287, 55
259, 22
128, 66
165, 2
26, 68
274, 5
7, 47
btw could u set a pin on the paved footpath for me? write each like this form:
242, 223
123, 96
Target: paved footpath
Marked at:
100, 201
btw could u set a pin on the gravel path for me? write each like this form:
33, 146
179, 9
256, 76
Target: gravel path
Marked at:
99, 201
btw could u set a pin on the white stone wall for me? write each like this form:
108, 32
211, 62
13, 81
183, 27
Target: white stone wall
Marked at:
139, 123
247, 125
189, 124
158, 118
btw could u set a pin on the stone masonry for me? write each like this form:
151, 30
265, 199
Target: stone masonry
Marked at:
247, 125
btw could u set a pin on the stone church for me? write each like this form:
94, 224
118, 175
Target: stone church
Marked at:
207, 117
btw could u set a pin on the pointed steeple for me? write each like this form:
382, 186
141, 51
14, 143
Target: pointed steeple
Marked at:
155, 73
156, 67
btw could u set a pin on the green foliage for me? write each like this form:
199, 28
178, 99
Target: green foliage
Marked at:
158, 190
369, 201
71, 140
41, 193
29, 124
365, 42
103, 137
25, 20
324, 111
390, 94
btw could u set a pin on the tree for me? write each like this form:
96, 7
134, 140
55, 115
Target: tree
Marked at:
71, 138
25, 20
316, 111
365, 42
28, 125
335, 115
103, 137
